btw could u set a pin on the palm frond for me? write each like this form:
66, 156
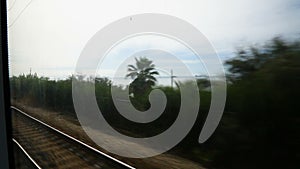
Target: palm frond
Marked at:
154, 73
132, 74
132, 67
150, 77
148, 69
142, 71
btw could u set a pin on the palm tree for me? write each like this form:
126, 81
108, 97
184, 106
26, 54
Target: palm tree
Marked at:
143, 74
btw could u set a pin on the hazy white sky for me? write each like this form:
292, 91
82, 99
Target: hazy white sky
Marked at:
49, 35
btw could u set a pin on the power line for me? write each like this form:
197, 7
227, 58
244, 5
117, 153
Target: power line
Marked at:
13, 22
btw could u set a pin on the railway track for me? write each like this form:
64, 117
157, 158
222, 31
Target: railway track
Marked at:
25, 161
48, 147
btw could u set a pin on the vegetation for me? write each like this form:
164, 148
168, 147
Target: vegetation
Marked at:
264, 99
260, 126
143, 79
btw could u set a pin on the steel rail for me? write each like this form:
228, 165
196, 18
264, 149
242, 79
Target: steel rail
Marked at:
74, 139
27, 155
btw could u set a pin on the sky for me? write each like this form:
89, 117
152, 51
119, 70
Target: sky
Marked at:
47, 37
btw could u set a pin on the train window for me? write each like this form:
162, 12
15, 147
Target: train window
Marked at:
153, 84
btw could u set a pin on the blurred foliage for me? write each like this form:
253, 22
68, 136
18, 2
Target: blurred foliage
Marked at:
264, 101
42, 92
260, 126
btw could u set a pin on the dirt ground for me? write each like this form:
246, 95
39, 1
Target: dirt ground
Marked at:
72, 127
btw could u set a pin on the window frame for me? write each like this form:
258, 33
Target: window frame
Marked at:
6, 149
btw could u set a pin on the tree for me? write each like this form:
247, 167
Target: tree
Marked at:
252, 59
263, 100
143, 74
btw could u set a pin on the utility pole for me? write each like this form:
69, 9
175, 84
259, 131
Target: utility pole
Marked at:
171, 78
